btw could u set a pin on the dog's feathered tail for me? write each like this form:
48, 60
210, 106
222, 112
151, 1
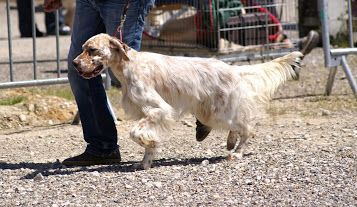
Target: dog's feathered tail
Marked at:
264, 79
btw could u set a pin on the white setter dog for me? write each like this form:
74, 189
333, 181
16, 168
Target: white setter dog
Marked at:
158, 89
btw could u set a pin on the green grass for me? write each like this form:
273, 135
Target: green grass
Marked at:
12, 100
59, 91
341, 40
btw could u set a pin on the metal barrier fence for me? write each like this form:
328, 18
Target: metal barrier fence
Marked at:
335, 57
34, 80
34, 61
231, 30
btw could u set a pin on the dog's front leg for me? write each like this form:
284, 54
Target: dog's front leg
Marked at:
145, 134
148, 157
158, 116
152, 104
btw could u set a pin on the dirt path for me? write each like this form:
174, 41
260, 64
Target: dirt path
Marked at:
299, 157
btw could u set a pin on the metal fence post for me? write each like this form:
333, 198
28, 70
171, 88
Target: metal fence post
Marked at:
322, 5
57, 44
325, 32
350, 26
218, 27
34, 58
336, 57
9, 35
349, 75
330, 81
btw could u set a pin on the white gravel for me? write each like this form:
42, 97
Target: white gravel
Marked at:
287, 164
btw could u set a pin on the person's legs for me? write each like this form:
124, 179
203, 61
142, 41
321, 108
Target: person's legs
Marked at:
50, 22
93, 17
111, 12
132, 27
97, 122
24, 14
25, 20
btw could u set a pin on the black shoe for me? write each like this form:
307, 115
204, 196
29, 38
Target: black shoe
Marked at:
202, 131
86, 159
63, 30
38, 34
309, 42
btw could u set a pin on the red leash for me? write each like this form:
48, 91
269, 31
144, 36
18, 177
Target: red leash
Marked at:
122, 20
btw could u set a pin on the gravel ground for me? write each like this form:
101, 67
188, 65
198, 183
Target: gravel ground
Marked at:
304, 153
294, 160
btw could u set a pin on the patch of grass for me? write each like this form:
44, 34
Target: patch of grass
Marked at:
341, 40
59, 91
114, 95
12, 100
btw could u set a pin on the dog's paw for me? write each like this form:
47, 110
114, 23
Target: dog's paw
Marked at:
147, 164
235, 156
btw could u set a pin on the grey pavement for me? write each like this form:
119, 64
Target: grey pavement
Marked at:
22, 49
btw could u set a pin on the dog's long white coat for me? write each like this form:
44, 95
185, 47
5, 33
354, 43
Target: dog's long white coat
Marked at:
218, 94
158, 89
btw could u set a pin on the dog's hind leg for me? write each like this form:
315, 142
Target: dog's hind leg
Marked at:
244, 133
232, 139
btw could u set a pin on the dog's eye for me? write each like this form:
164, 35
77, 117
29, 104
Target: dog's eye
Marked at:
92, 50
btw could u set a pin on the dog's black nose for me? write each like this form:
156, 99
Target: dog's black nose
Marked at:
75, 64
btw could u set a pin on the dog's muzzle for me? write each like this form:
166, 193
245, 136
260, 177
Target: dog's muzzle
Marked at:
87, 75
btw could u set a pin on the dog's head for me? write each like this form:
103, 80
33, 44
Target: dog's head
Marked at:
99, 52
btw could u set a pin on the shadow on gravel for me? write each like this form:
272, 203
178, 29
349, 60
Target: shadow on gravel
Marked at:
56, 168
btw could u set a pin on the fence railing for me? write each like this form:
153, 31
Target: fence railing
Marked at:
34, 80
230, 32
335, 57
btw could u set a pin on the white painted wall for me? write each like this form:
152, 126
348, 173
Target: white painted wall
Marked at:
337, 13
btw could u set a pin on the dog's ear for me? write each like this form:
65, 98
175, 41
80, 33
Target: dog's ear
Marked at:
120, 47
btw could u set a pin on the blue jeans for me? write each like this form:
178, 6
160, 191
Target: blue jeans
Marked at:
93, 17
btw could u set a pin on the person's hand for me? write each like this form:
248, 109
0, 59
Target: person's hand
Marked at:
52, 5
